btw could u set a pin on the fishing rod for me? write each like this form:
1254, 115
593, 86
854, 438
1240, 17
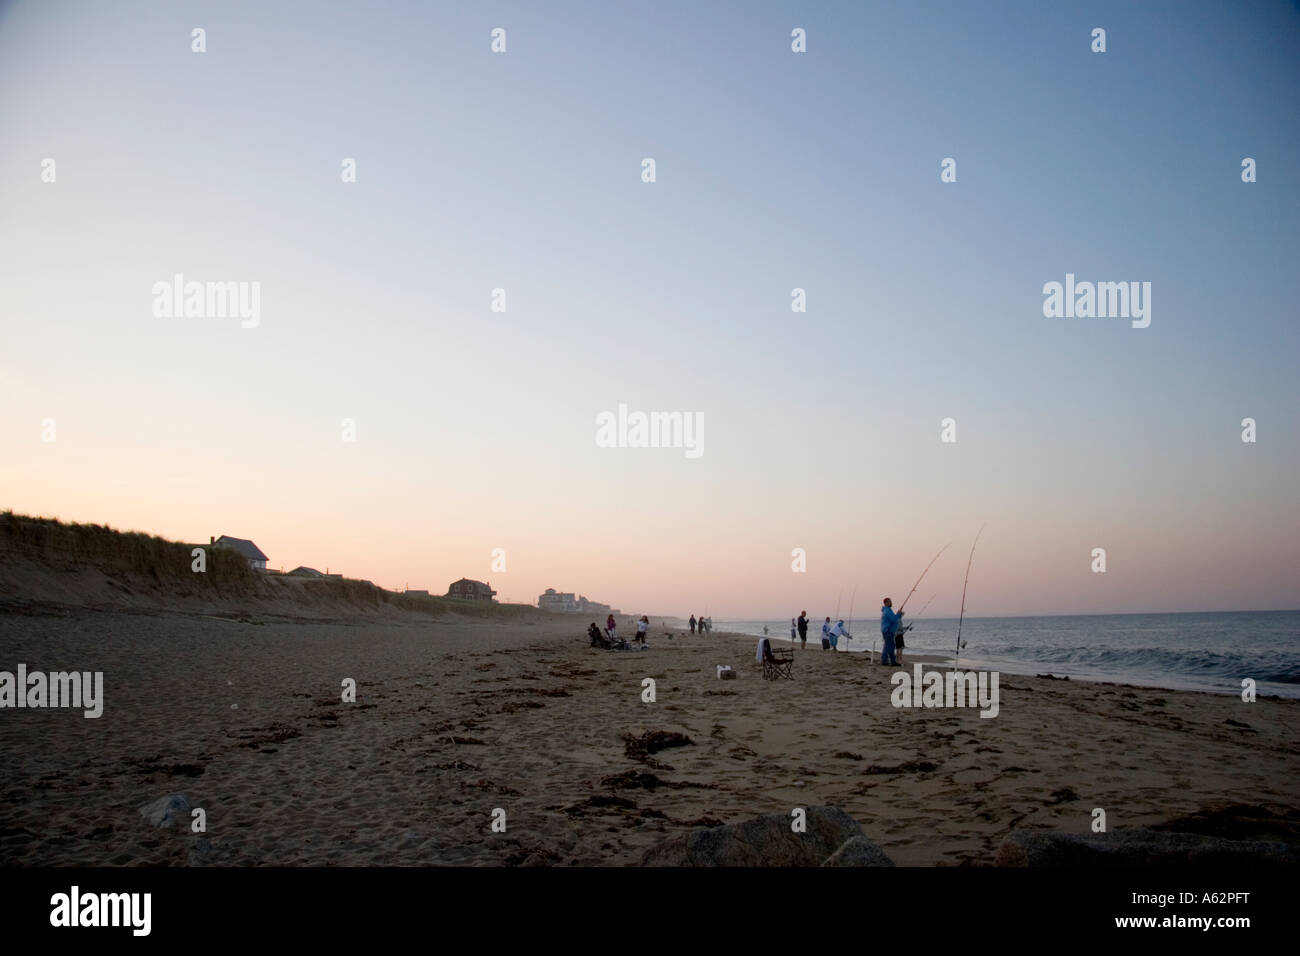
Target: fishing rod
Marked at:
912, 623
848, 635
962, 615
922, 577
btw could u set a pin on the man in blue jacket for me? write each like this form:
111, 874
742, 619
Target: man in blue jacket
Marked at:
889, 621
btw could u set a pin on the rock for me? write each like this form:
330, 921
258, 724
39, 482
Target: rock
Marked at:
166, 810
858, 851
762, 841
1138, 847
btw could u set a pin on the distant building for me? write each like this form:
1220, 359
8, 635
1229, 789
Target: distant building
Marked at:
568, 602
256, 559
305, 572
468, 590
554, 600
417, 592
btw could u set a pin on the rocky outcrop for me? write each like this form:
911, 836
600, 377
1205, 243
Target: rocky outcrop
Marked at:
829, 834
1138, 847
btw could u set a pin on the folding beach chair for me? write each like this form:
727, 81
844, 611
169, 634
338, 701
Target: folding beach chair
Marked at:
777, 662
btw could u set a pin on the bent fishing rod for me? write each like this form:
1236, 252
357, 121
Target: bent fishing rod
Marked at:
922, 577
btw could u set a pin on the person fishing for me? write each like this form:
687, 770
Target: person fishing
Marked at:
826, 635
889, 623
838, 631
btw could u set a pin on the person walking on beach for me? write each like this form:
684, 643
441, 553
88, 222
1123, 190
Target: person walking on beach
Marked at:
692, 623
803, 628
642, 626
889, 621
826, 635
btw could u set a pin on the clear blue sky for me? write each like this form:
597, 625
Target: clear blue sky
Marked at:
775, 170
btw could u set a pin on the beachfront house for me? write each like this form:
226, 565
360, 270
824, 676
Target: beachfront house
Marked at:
256, 559
554, 600
571, 603
468, 590
302, 571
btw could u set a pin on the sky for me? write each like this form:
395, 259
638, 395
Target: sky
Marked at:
522, 170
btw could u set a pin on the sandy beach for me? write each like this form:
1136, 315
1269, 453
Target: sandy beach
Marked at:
460, 716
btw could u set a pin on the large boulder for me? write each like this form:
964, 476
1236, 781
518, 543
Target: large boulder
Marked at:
1138, 847
858, 851
767, 841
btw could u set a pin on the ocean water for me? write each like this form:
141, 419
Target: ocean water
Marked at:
1210, 652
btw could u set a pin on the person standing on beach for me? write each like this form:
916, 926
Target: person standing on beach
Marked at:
642, 626
803, 628
610, 627
692, 623
794, 629
826, 635
889, 621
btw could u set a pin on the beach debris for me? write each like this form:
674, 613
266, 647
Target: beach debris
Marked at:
641, 780
912, 766
1139, 847
164, 811
725, 672
600, 801
769, 841
259, 737
200, 852
632, 780
155, 765
653, 741
1053, 677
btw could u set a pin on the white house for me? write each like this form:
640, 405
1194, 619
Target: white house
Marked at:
256, 559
